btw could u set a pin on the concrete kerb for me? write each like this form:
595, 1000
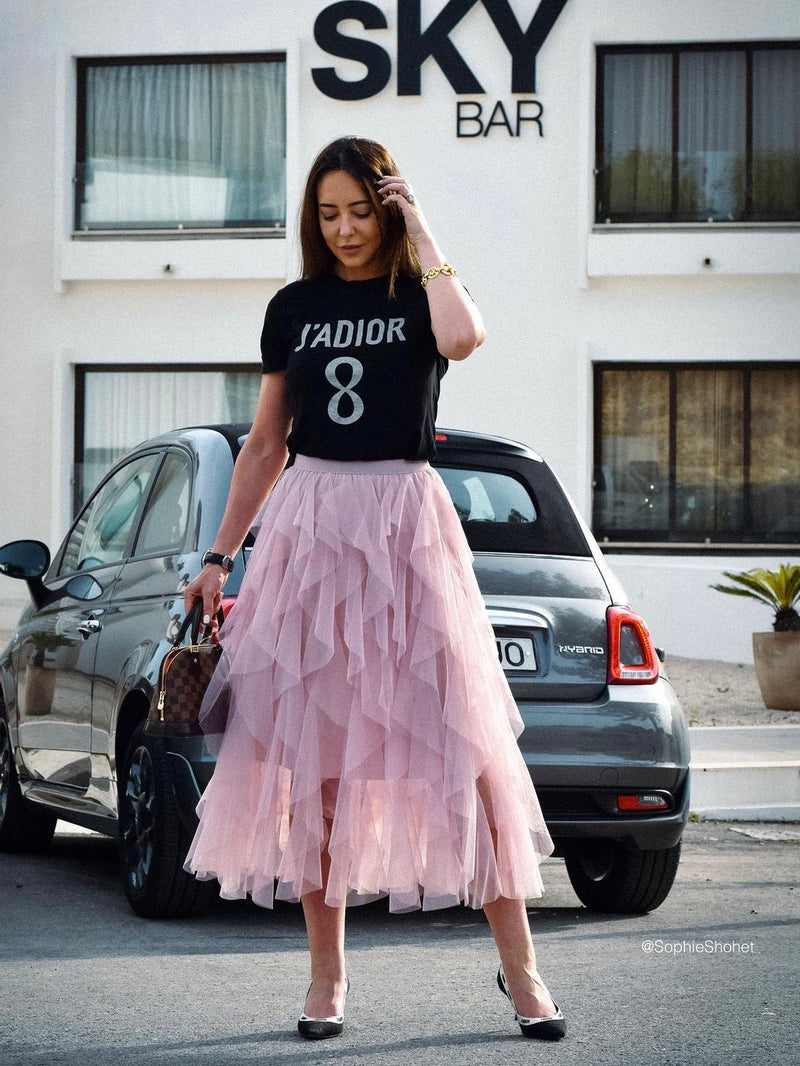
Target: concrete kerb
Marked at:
746, 773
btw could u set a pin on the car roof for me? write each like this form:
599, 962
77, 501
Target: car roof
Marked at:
485, 442
446, 440
233, 432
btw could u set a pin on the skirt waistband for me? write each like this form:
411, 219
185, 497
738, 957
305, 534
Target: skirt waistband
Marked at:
379, 466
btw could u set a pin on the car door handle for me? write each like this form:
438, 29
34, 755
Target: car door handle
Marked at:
91, 625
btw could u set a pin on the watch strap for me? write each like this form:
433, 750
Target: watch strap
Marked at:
225, 561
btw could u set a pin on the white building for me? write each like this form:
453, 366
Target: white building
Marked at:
619, 189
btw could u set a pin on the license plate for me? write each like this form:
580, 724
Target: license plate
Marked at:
516, 653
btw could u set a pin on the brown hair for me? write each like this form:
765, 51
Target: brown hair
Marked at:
366, 161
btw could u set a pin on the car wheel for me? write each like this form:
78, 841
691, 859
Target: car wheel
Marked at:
152, 840
23, 825
621, 878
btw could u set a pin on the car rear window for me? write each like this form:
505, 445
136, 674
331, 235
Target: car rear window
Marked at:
486, 496
501, 512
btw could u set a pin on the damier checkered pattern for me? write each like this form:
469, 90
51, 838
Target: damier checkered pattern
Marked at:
183, 679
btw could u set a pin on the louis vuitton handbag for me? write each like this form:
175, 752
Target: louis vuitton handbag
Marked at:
185, 672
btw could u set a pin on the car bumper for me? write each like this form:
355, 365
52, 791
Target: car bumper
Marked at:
580, 757
647, 831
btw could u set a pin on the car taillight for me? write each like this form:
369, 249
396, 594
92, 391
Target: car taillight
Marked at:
226, 603
632, 658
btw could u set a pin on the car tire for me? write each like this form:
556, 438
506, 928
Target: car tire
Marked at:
24, 826
620, 878
153, 842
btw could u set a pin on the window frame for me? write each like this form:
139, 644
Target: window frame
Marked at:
83, 64
79, 424
602, 219
641, 540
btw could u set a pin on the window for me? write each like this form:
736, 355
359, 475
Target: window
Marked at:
117, 407
485, 496
698, 453
500, 513
705, 133
166, 518
495, 509
101, 534
181, 143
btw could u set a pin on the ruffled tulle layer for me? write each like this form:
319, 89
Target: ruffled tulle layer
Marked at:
366, 707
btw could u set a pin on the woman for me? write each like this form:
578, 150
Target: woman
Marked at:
370, 747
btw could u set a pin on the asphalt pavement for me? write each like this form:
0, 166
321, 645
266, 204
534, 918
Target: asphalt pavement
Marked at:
710, 978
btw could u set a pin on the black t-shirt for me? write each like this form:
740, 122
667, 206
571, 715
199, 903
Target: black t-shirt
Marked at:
362, 370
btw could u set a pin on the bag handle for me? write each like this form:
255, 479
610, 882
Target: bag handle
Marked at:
192, 620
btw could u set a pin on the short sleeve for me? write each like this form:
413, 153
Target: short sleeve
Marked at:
274, 344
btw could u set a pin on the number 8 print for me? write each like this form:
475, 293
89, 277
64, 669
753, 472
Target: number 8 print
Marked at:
342, 389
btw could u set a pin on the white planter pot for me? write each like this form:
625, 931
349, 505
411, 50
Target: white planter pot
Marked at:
777, 661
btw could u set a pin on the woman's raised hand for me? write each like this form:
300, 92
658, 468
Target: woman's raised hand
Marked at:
394, 189
455, 320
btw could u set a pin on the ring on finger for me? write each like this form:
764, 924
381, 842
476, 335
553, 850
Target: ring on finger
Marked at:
410, 197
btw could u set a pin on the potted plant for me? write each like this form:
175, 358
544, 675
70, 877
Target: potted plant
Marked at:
777, 654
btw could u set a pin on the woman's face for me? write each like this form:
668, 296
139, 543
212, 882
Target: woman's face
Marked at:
348, 220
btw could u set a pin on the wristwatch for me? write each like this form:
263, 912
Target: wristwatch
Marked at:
225, 561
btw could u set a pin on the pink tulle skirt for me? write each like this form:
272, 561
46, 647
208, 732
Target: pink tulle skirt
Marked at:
367, 711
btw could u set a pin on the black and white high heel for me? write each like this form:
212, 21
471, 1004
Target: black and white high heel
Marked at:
553, 1027
322, 1028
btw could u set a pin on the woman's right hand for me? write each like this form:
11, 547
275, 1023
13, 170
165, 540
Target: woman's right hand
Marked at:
207, 586
257, 468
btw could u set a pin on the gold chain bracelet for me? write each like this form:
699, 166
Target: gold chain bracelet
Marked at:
445, 268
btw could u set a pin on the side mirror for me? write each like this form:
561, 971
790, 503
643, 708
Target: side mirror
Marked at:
83, 587
28, 560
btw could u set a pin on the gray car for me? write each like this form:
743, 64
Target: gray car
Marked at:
605, 739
